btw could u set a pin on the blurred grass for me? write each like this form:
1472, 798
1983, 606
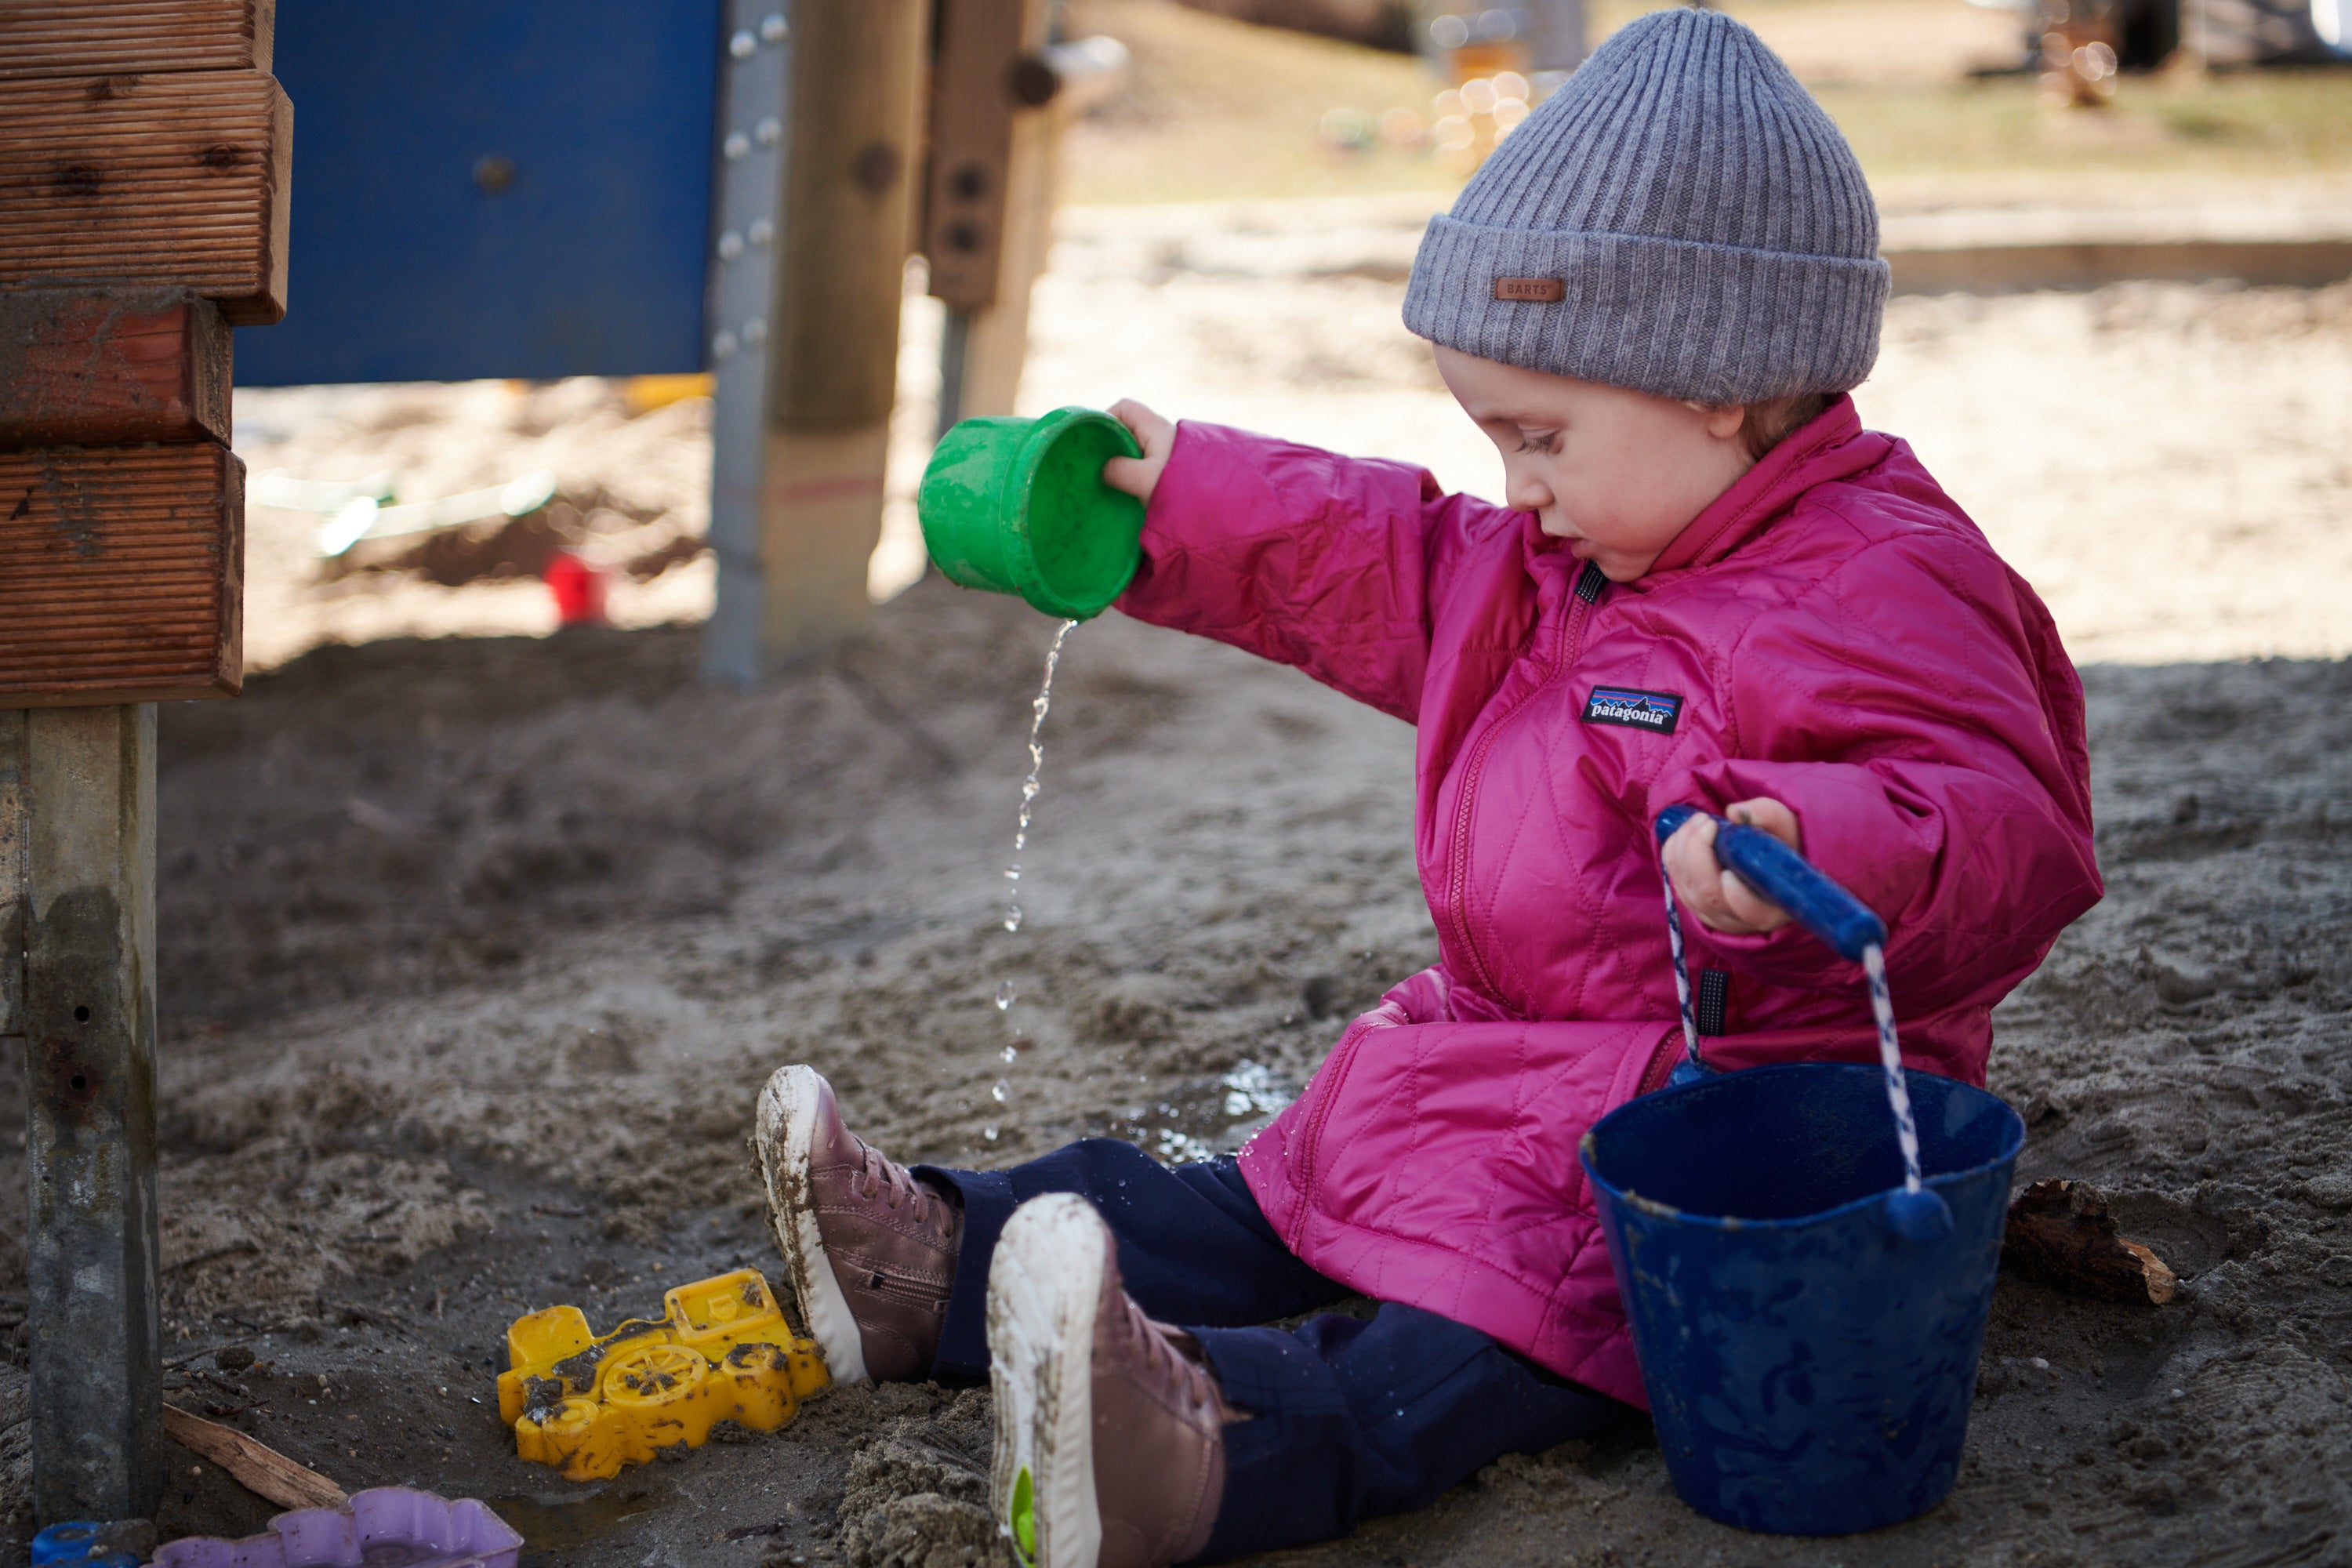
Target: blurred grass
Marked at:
1219, 109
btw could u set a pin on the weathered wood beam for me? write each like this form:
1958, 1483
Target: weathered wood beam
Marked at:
110, 37
121, 574
848, 226
13, 847
170, 180
856, 113
109, 367
87, 808
977, 46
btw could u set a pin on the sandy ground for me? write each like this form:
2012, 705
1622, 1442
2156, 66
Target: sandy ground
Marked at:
2167, 463
475, 950
466, 1001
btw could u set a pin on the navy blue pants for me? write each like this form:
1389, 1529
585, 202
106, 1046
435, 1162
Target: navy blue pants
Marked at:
1350, 1418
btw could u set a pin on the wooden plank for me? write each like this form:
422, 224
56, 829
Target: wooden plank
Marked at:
89, 1123
108, 37
977, 44
111, 367
173, 180
256, 1466
15, 841
121, 574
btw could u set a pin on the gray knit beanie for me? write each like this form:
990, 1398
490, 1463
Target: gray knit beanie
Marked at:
1680, 218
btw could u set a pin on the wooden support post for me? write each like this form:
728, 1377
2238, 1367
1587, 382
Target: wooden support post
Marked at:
82, 817
792, 573
989, 201
15, 830
142, 204
1001, 94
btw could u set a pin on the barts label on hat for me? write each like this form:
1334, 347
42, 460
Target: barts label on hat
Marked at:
1541, 290
1652, 711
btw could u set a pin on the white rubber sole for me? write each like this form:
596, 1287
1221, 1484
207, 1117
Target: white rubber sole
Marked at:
782, 1135
1043, 1288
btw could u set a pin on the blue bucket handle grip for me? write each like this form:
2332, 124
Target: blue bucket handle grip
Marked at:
1790, 880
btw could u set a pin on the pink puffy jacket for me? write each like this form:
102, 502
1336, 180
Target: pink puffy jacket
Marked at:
1832, 631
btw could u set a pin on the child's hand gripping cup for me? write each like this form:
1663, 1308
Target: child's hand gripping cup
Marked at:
1019, 506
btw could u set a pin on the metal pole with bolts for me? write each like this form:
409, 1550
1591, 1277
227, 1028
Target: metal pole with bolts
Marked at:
748, 187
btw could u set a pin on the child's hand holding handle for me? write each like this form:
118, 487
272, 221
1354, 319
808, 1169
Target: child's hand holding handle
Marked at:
1745, 876
1138, 477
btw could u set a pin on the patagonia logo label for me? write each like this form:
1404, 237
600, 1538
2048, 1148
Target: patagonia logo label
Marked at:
1652, 711
1541, 290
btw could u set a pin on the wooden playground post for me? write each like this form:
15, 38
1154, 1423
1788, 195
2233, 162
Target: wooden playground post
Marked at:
143, 206
797, 488
1002, 93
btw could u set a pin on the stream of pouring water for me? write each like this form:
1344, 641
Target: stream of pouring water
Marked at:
1002, 1093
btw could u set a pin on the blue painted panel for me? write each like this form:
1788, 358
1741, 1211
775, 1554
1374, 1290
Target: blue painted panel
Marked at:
402, 266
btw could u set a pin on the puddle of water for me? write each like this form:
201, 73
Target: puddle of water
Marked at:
566, 1525
1202, 1120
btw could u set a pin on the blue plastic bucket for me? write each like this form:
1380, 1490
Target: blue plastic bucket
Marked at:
1808, 1369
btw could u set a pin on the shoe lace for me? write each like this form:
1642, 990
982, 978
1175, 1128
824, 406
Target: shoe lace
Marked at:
892, 1180
1167, 1360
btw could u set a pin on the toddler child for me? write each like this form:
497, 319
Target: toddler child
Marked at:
1709, 584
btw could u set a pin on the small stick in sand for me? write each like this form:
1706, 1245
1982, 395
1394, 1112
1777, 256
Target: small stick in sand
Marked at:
259, 1468
2061, 1234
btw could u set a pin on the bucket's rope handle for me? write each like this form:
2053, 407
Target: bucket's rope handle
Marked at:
1673, 817
1780, 874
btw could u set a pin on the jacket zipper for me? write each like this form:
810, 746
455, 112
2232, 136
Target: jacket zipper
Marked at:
1313, 1146
1589, 589
1571, 639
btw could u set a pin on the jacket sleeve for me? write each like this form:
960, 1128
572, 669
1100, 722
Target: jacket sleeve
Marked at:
1337, 566
1944, 778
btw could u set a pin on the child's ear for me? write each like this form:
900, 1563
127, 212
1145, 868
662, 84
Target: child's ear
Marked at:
1723, 420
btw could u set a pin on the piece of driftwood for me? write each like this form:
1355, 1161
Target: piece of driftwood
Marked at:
256, 1466
2061, 1234
121, 574
108, 37
169, 180
110, 367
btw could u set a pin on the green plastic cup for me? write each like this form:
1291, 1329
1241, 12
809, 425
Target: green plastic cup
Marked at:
1018, 506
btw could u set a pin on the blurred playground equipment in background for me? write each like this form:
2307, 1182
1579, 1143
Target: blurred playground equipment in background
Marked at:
668, 191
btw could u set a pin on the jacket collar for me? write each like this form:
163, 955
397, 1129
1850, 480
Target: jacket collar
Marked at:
1828, 448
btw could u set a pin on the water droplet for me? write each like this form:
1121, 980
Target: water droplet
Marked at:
1004, 995
1000, 1092
1013, 872
1010, 1053
1013, 917
989, 1133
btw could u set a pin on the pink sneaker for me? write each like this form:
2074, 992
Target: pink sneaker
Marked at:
870, 1251
1110, 1449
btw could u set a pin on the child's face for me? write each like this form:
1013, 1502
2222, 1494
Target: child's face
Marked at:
1617, 474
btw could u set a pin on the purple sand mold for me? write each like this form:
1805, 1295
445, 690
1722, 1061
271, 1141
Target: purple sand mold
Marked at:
384, 1527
